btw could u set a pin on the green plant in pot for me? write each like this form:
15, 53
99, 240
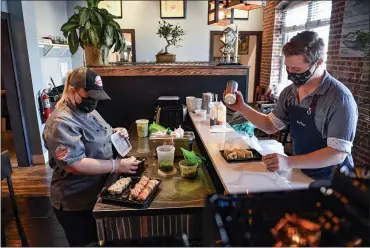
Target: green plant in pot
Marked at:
172, 34
189, 165
95, 30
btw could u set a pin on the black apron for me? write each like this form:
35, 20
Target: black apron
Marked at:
307, 138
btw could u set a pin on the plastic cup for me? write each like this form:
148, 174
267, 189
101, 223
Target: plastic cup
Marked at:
166, 157
190, 103
142, 128
188, 171
143, 145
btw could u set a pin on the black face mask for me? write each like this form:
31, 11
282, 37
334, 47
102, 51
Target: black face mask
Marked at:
86, 105
300, 79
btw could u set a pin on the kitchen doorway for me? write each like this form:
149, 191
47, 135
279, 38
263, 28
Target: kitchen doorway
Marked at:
12, 131
250, 47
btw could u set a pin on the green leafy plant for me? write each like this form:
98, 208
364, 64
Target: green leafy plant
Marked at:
171, 33
93, 26
191, 158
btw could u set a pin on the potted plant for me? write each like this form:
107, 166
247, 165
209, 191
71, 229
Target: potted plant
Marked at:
95, 30
172, 34
189, 166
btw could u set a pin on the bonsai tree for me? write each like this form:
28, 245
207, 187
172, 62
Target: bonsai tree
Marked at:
172, 34
95, 27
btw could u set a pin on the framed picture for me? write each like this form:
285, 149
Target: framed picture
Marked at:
243, 44
173, 9
238, 14
113, 7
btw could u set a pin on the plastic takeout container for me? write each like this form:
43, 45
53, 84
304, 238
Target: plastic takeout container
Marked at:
185, 142
122, 145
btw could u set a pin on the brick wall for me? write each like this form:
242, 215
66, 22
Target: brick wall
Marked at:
270, 32
354, 73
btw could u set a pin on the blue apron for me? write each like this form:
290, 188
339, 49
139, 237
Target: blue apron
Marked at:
307, 138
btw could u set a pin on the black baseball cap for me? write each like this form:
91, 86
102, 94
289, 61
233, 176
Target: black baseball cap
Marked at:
90, 81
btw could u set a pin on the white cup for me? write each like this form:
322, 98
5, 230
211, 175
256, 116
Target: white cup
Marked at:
198, 103
190, 103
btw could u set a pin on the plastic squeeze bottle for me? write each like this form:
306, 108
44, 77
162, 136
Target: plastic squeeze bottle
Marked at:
221, 114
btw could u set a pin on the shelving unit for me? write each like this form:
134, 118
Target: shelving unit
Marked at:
47, 48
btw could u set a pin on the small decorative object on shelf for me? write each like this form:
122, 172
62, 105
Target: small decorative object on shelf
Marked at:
228, 38
172, 34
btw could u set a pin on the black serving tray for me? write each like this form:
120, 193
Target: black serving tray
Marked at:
256, 157
124, 201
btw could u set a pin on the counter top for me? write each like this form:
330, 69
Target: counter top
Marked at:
170, 69
175, 194
246, 177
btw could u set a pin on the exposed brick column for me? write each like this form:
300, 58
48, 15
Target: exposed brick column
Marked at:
354, 73
269, 35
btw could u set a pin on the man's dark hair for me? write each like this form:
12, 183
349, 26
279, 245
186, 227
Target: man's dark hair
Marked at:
307, 43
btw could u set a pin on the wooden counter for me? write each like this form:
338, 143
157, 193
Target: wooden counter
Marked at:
175, 69
176, 209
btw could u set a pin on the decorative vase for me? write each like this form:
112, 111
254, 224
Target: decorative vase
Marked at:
93, 56
165, 58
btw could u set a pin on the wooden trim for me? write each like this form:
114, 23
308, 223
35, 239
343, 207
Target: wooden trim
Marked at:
164, 18
133, 42
171, 70
257, 73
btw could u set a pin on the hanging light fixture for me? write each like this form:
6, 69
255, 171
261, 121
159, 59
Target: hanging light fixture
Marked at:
217, 13
244, 4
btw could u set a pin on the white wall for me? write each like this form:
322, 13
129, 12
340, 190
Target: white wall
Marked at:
50, 16
4, 6
29, 16
143, 16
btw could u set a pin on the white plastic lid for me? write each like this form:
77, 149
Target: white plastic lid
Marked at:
121, 144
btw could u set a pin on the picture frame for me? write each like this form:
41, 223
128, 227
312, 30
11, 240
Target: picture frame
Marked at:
113, 7
238, 14
243, 47
172, 9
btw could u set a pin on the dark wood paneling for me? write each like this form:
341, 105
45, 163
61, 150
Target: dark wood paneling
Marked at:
12, 93
161, 70
136, 97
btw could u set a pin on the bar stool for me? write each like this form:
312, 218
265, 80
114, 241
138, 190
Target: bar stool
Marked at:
6, 172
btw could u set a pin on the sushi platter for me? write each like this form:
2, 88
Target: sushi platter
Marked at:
134, 191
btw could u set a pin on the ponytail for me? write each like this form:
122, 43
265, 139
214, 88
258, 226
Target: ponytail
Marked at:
64, 97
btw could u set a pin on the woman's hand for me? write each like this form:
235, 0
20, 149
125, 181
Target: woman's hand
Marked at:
127, 165
122, 131
239, 103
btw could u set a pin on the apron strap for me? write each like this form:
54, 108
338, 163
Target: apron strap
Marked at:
313, 104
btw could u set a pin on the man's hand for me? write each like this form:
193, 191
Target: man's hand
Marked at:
275, 162
239, 103
128, 165
122, 131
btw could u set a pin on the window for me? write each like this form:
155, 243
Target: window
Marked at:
298, 17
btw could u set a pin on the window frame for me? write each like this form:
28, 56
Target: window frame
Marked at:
309, 25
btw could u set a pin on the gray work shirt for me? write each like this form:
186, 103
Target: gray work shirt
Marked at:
336, 112
71, 135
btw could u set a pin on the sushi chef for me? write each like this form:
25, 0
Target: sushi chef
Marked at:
80, 153
321, 111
